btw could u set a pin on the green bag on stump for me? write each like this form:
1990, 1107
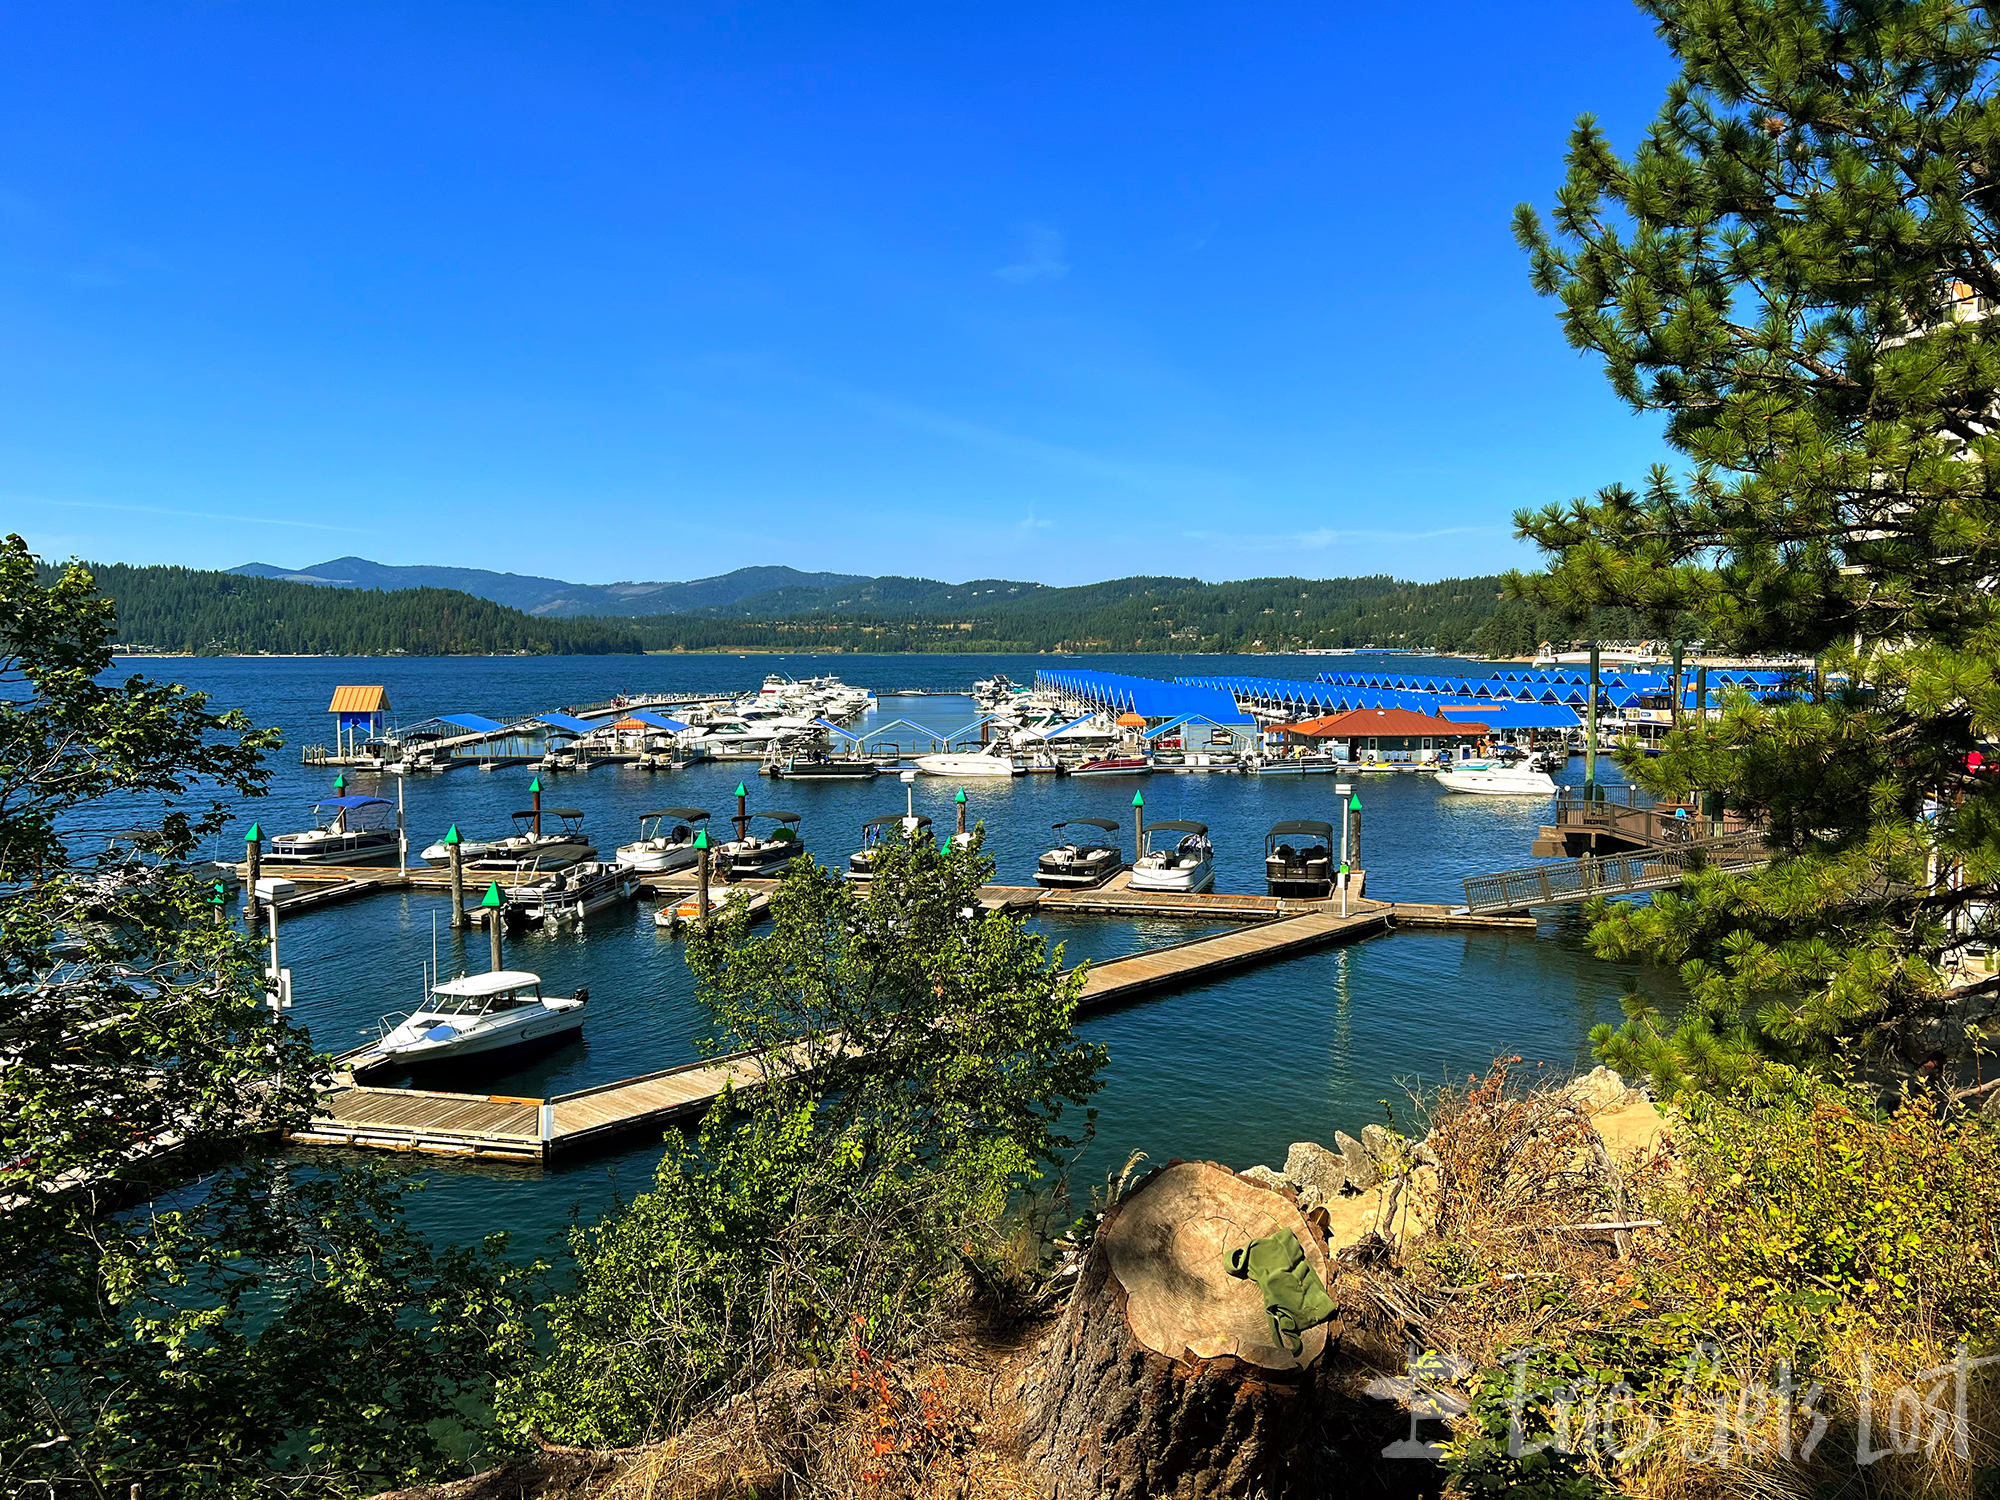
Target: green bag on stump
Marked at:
1294, 1297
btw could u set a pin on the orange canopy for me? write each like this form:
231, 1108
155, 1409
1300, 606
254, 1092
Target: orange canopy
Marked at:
1131, 721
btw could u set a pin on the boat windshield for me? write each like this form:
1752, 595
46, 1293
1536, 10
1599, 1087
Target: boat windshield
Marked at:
475, 1005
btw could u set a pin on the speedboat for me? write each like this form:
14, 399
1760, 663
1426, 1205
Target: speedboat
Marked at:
524, 846
875, 833
358, 831
1499, 775
570, 895
996, 760
754, 858
1083, 862
484, 1015
1188, 865
1114, 765
817, 766
666, 841
1298, 859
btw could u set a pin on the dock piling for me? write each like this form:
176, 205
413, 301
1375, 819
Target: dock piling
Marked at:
253, 853
492, 903
455, 844
742, 813
701, 876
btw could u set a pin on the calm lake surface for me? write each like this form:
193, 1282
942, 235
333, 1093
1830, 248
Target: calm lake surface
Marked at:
1234, 1070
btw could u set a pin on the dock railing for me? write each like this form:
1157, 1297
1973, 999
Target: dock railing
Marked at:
1565, 882
1667, 823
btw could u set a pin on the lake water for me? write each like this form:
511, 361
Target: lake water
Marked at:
1233, 1070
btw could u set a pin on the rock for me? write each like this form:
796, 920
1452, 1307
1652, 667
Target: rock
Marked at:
1264, 1176
1384, 1147
1599, 1089
1424, 1156
1361, 1171
1310, 1165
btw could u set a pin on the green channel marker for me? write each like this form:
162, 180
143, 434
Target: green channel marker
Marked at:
493, 900
535, 785
701, 839
254, 836
451, 835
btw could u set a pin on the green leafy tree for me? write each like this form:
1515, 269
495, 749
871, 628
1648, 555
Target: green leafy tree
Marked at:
268, 1327
920, 1062
1797, 266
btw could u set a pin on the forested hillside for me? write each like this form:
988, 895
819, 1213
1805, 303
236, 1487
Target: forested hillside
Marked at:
184, 609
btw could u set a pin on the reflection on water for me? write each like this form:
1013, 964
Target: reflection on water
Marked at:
1232, 1070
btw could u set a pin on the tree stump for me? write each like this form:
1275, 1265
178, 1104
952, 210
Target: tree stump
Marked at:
1162, 1379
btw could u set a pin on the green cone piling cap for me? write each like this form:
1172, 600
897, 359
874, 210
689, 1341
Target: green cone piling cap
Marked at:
1355, 805
961, 795
340, 781
1138, 799
739, 790
254, 836
451, 835
493, 900
701, 839
535, 785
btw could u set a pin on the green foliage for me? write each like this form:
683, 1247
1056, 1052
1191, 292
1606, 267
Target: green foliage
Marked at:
271, 1331
1797, 266
920, 1060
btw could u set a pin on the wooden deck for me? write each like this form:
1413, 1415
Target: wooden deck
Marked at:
1126, 978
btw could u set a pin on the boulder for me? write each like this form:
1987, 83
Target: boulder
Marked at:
1361, 1171
1309, 1166
1383, 1146
1600, 1089
1265, 1176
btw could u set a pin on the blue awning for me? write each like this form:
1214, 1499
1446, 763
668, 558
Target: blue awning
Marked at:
352, 802
477, 723
569, 722
833, 728
657, 721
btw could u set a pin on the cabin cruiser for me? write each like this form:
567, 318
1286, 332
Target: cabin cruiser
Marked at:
754, 858
1298, 859
1081, 862
357, 831
1114, 765
816, 765
484, 1015
570, 895
1188, 865
1505, 773
996, 759
875, 833
525, 845
666, 841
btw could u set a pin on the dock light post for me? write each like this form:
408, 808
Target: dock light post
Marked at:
1138, 825
1343, 790
535, 794
909, 780
493, 903
280, 977
454, 846
701, 875
253, 854
742, 813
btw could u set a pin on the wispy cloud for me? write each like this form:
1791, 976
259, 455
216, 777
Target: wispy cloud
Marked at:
1041, 256
190, 515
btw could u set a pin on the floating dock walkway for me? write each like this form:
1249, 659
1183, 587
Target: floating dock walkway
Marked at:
537, 1130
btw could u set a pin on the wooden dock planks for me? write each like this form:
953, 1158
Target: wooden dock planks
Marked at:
1123, 978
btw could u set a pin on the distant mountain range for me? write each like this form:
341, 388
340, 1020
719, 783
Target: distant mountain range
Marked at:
747, 593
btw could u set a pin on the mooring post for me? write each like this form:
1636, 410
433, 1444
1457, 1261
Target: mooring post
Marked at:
535, 791
701, 876
456, 847
493, 903
742, 813
1590, 734
959, 837
253, 854
1354, 808
1138, 825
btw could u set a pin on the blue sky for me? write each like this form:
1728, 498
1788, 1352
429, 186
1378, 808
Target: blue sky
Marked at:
1059, 292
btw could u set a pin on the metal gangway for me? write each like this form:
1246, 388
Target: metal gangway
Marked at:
1566, 882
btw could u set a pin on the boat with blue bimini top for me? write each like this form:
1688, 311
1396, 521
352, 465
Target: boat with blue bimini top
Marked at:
483, 1016
357, 831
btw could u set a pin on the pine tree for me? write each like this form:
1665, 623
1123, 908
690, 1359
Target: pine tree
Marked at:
1797, 266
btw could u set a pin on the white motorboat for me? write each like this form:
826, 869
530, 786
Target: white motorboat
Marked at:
878, 831
570, 895
996, 759
1186, 865
666, 841
1080, 863
525, 847
358, 831
753, 858
1495, 778
484, 1016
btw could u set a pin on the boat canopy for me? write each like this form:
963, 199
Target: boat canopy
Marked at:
782, 817
479, 986
1105, 823
349, 803
551, 812
1303, 825
685, 814
477, 723
568, 722
1177, 826
653, 721
887, 818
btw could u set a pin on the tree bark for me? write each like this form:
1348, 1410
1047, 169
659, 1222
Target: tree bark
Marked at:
1162, 1378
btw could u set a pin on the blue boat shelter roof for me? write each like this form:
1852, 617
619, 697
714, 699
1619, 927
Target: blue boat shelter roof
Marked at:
476, 723
566, 721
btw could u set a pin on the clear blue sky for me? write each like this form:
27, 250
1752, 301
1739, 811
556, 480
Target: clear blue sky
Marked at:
1061, 292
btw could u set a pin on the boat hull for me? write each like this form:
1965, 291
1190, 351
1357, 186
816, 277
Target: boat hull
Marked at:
1495, 782
1186, 880
363, 849
475, 1049
1120, 767
659, 861
966, 765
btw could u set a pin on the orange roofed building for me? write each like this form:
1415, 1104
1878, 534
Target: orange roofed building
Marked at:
1386, 730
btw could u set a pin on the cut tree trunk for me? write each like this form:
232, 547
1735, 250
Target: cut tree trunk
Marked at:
1162, 1378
